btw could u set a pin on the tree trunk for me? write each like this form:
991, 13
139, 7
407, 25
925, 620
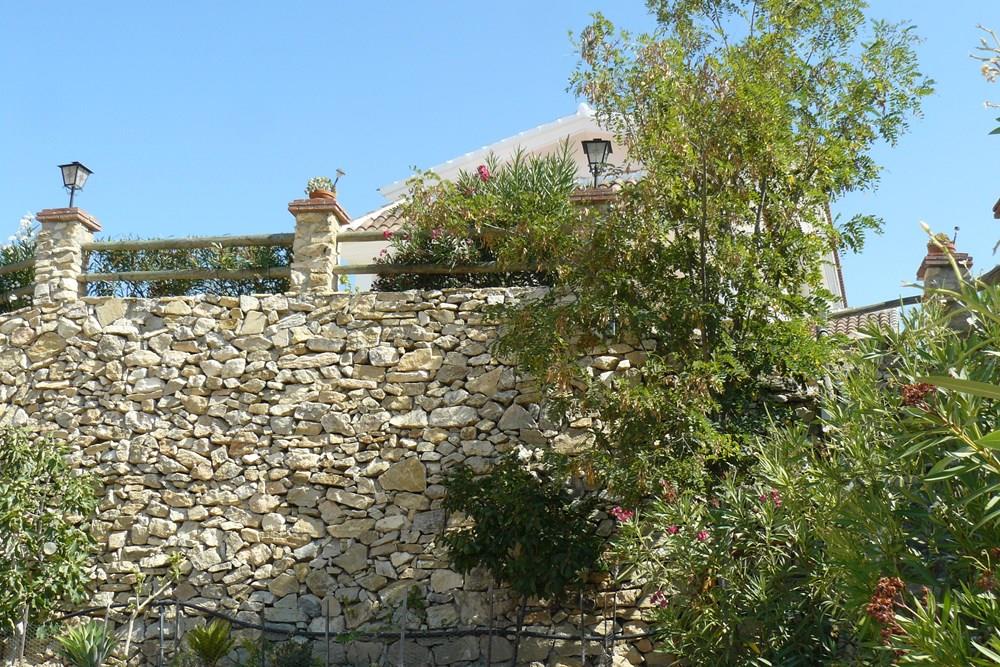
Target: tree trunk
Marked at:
520, 623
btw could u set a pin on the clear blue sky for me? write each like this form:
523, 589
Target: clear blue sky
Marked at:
208, 117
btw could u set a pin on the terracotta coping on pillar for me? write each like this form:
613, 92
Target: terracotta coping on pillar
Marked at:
598, 195
320, 206
962, 259
69, 215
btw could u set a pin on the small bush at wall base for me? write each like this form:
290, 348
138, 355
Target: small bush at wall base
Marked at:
210, 643
87, 645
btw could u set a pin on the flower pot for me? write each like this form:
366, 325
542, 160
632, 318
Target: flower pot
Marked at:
322, 194
934, 249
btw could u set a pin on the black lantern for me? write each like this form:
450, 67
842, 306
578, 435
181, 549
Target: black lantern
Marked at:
74, 175
597, 151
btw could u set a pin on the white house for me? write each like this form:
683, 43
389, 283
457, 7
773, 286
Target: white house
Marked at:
540, 140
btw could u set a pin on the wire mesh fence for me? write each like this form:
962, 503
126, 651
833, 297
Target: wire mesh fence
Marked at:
400, 640
159, 639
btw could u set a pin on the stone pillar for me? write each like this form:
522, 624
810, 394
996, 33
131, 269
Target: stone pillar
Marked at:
314, 251
936, 270
59, 253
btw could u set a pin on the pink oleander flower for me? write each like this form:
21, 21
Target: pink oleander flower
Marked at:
659, 598
672, 529
621, 513
702, 535
484, 172
387, 235
773, 495
436, 233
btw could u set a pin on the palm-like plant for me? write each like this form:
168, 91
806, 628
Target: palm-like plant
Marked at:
211, 643
87, 645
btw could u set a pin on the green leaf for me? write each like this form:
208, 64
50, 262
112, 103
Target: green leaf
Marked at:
965, 386
990, 440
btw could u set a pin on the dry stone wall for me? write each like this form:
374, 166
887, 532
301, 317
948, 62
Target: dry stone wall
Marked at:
292, 449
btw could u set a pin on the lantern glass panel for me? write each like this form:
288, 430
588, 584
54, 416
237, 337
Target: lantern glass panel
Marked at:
68, 174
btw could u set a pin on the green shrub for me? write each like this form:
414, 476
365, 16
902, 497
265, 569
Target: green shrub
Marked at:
463, 222
210, 643
45, 542
87, 645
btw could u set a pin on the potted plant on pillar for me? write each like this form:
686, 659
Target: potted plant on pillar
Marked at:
321, 187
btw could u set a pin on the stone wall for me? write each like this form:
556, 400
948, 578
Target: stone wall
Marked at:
292, 449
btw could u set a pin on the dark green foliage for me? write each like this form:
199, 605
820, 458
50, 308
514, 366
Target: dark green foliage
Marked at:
45, 507
477, 218
526, 526
292, 654
221, 259
20, 247
87, 645
288, 653
210, 643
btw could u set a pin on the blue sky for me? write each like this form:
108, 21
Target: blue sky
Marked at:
208, 117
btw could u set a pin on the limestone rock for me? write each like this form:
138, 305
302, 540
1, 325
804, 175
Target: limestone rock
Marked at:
423, 359
407, 475
452, 417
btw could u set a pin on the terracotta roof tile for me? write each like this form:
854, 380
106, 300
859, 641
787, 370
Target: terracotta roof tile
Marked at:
854, 325
385, 219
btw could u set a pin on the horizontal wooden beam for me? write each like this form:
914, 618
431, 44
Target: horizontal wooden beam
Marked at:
360, 237
15, 268
250, 240
432, 269
188, 274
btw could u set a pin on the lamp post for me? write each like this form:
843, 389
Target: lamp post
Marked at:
74, 175
597, 151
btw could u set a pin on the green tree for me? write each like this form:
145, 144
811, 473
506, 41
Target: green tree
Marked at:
45, 506
525, 525
749, 118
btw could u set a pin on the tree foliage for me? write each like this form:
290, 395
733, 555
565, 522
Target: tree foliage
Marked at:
748, 118
44, 543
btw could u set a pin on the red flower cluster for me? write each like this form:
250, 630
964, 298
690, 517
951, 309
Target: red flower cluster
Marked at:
387, 235
773, 496
673, 529
621, 513
882, 606
484, 172
659, 598
702, 535
914, 394
436, 233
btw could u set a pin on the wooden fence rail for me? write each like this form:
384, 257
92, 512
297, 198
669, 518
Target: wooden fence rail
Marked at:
252, 240
189, 274
15, 268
